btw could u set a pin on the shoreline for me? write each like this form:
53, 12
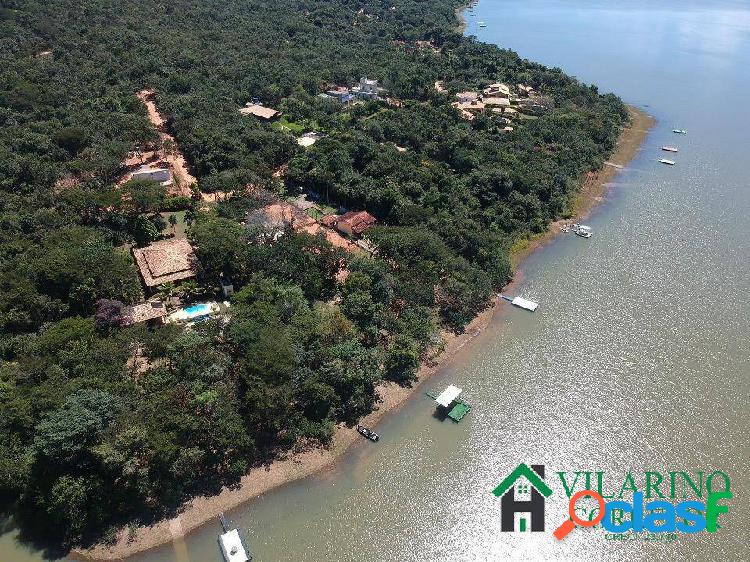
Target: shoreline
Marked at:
296, 466
594, 186
459, 12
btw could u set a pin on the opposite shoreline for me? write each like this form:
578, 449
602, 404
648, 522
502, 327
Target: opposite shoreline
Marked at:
296, 466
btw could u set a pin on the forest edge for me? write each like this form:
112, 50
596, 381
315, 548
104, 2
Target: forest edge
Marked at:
296, 466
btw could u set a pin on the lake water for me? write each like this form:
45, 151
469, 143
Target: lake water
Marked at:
637, 359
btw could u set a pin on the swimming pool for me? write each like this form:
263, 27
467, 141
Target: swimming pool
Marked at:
200, 309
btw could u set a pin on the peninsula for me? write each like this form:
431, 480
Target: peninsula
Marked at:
198, 307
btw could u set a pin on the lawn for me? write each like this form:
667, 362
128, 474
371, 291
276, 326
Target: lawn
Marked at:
293, 127
179, 229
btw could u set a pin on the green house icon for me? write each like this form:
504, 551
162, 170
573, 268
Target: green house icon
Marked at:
522, 482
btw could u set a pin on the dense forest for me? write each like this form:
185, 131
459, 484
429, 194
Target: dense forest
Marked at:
90, 440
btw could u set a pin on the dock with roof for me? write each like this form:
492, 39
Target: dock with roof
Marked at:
449, 401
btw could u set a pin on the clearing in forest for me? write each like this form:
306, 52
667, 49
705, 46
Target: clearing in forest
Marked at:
170, 151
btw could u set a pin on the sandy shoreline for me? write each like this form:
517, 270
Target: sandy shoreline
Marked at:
595, 184
300, 465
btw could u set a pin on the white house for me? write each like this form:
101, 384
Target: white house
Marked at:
160, 175
367, 88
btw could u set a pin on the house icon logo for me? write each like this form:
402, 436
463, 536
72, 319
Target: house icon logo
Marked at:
523, 492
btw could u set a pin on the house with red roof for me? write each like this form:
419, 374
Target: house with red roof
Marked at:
354, 223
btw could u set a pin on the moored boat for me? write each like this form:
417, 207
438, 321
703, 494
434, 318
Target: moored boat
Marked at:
670, 148
368, 433
583, 231
233, 547
667, 162
521, 302
679, 131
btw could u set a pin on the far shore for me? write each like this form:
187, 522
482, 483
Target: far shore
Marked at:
299, 465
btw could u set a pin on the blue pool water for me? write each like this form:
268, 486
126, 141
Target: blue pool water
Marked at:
198, 309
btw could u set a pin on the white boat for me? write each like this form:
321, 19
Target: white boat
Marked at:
482, 24
679, 131
667, 162
583, 231
670, 148
521, 302
231, 544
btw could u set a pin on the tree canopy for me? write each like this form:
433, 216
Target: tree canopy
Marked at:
105, 425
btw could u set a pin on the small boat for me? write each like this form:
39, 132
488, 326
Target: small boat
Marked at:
482, 24
583, 231
232, 546
521, 302
368, 433
667, 162
679, 131
670, 148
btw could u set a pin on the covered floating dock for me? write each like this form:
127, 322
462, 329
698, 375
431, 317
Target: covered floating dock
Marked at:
521, 302
449, 400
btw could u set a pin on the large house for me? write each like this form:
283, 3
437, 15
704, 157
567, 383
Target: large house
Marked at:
467, 97
354, 223
498, 89
367, 89
496, 102
151, 312
259, 111
166, 261
277, 217
340, 94
468, 109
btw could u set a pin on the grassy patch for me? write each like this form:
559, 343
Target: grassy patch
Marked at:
293, 127
314, 213
178, 230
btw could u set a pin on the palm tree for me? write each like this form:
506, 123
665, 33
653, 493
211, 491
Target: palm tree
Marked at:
173, 221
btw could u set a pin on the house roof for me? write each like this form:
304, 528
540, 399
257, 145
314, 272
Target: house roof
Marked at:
498, 87
279, 215
165, 261
472, 95
330, 220
496, 101
469, 106
358, 221
333, 237
522, 470
143, 312
448, 395
259, 111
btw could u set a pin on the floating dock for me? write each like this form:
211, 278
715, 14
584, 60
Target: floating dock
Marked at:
521, 302
449, 401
